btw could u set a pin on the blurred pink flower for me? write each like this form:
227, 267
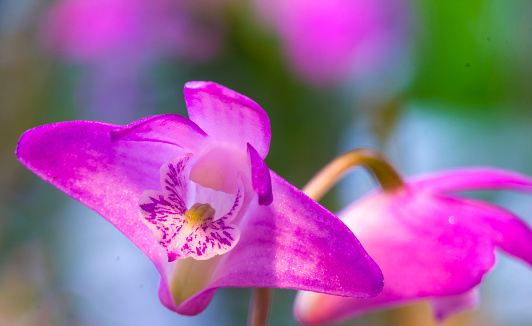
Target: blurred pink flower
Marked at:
90, 30
429, 243
326, 40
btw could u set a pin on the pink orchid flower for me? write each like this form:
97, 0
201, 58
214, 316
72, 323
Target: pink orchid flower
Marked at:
429, 243
100, 30
198, 199
326, 40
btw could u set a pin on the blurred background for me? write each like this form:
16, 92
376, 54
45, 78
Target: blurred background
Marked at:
433, 84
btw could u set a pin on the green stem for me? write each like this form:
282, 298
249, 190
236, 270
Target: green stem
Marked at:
259, 307
327, 177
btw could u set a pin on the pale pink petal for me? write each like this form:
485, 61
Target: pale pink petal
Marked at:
293, 243
228, 116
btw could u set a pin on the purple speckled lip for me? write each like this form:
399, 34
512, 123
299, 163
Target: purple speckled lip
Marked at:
286, 239
165, 214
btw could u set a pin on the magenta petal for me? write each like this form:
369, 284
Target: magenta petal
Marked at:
445, 307
474, 179
260, 177
426, 246
80, 159
168, 128
516, 239
507, 231
438, 244
293, 243
429, 245
228, 116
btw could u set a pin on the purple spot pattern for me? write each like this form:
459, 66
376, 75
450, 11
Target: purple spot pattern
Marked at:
164, 213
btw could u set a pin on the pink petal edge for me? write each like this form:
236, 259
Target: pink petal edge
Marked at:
168, 128
228, 116
445, 307
474, 178
508, 231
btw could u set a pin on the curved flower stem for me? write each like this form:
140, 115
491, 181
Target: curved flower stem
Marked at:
327, 177
259, 307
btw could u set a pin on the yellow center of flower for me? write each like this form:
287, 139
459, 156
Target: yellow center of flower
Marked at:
199, 213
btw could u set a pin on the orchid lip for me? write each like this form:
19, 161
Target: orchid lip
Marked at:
192, 232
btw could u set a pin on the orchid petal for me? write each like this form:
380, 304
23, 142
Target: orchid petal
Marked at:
438, 246
474, 179
168, 128
508, 232
164, 212
428, 245
445, 307
80, 159
260, 177
228, 116
293, 243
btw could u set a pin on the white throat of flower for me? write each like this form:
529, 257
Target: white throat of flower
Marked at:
193, 231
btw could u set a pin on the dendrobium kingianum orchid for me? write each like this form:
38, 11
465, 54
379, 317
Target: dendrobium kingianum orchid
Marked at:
198, 199
430, 243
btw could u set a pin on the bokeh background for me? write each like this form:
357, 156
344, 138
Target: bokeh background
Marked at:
432, 83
